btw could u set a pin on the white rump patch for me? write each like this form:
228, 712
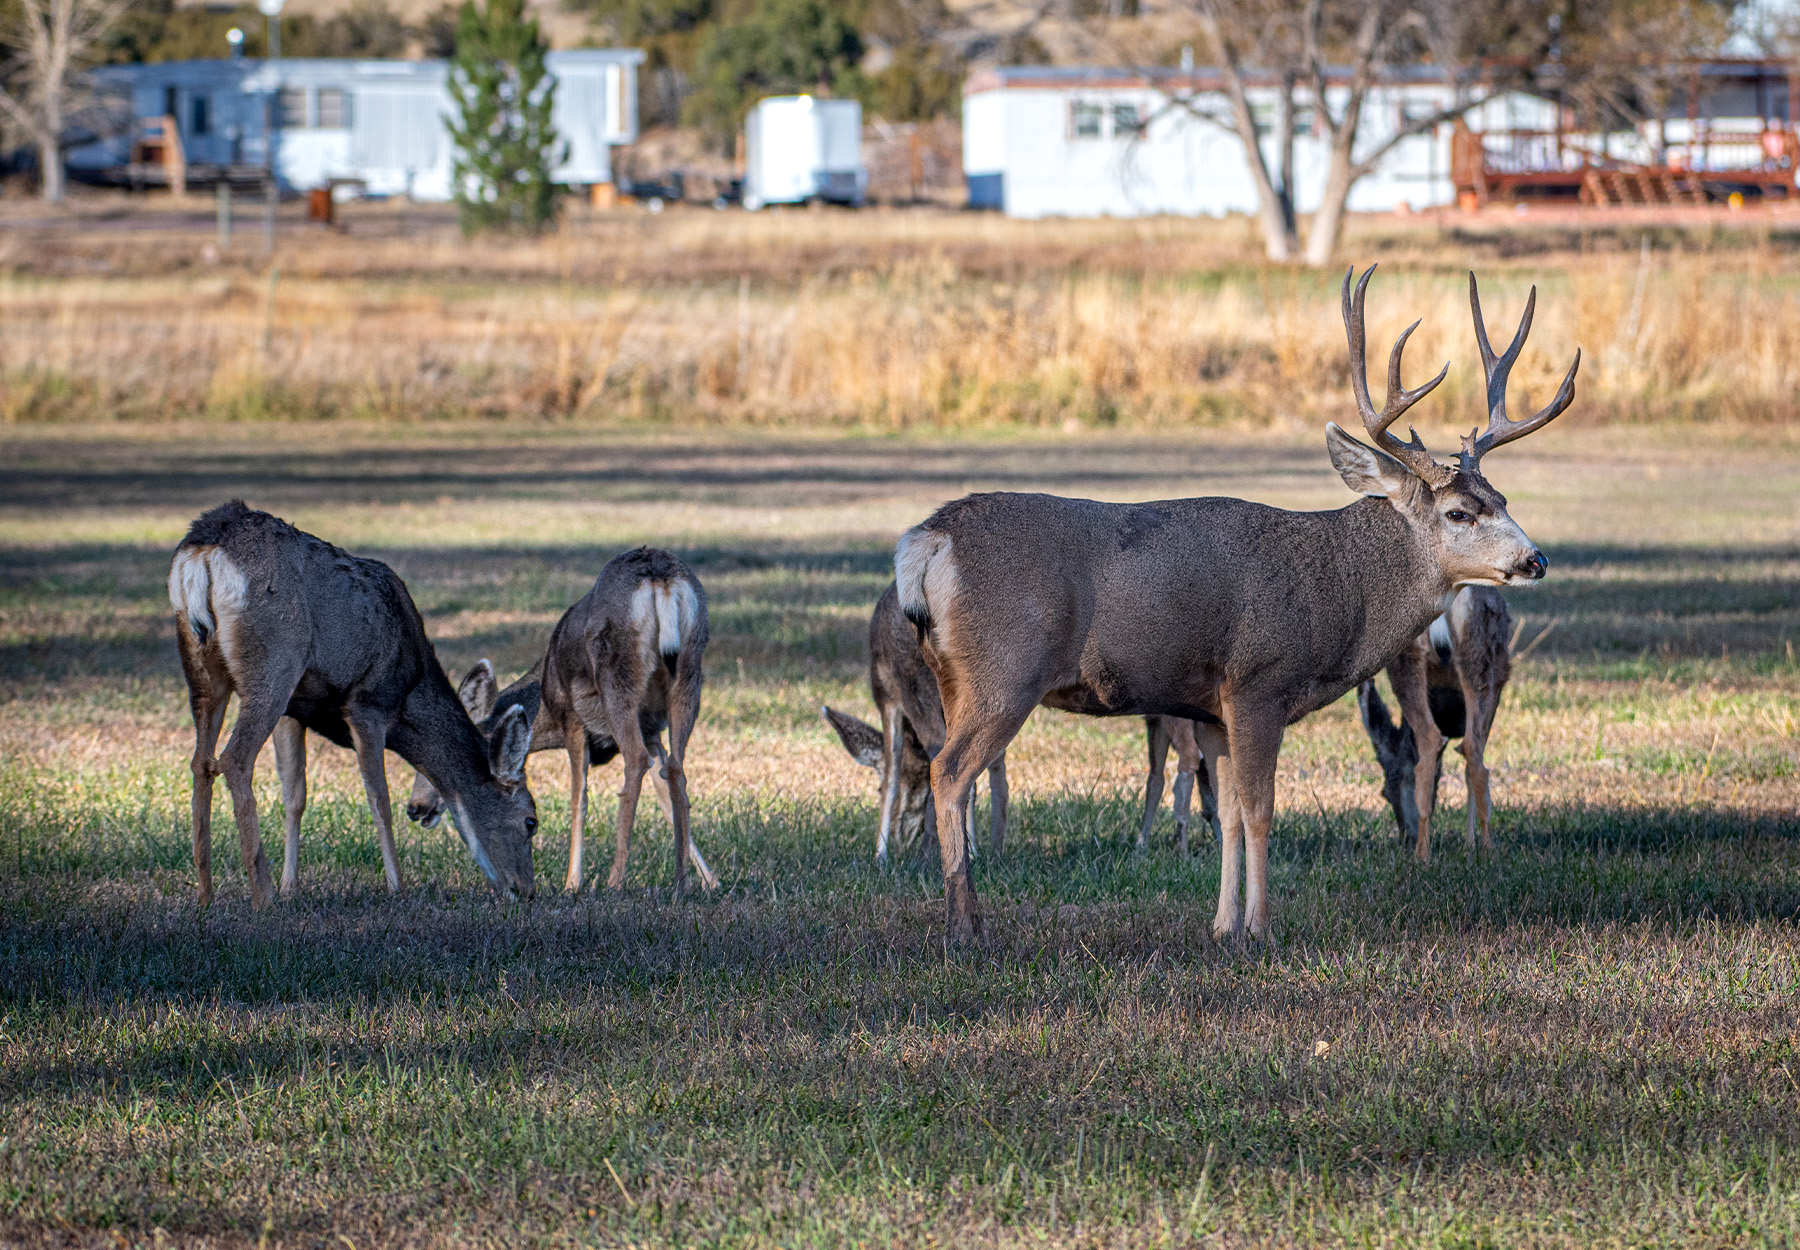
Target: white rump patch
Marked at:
663, 614
208, 588
676, 611
924, 572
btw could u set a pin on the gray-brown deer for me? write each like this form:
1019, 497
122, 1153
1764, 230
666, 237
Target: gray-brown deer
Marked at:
624, 662
912, 730
1238, 615
1448, 682
311, 637
486, 703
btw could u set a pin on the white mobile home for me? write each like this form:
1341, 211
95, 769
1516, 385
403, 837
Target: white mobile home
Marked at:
1042, 141
379, 124
802, 147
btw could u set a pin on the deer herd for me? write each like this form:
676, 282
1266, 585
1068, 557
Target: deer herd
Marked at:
1217, 620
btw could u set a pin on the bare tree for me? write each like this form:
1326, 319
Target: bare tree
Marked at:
46, 94
1292, 43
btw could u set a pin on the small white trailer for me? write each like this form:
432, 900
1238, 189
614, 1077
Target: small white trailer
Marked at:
801, 147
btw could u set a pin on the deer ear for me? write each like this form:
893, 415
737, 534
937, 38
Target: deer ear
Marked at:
1364, 469
509, 746
478, 691
860, 738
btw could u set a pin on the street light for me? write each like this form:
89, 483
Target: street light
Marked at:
271, 9
235, 38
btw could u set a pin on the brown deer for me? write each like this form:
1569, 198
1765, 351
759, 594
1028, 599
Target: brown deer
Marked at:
623, 663
486, 702
1448, 682
311, 637
912, 730
1238, 615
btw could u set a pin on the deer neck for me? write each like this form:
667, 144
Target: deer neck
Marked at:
435, 735
1400, 584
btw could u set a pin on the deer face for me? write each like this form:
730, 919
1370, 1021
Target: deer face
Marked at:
498, 817
1477, 542
1462, 519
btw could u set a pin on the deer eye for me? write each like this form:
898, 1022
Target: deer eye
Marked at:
1459, 516
531, 826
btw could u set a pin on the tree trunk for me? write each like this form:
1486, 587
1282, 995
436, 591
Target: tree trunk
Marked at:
50, 165
1328, 221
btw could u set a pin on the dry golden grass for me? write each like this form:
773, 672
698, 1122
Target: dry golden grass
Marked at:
880, 320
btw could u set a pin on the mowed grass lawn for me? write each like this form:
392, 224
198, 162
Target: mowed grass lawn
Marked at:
1586, 1038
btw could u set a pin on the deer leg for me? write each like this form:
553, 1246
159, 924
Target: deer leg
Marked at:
1187, 759
257, 715
1256, 747
637, 763
893, 730
370, 743
1156, 733
1407, 673
575, 741
974, 847
968, 746
659, 777
684, 711
1228, 920
208, 699
997, 801
1480, 719
290, 767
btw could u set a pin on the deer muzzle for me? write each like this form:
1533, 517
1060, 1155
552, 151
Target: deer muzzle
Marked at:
1532, 567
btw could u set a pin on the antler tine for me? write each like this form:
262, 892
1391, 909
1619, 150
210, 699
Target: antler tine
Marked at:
1501, 429
1411, 453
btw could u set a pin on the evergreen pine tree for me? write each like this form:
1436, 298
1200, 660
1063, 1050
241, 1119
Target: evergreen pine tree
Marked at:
505, 145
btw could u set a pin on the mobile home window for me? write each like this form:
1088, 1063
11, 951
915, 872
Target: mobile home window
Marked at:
171, 102
1303, 121
1262, 118
293, 108
334, 108
200, 115
1085, 120
1126, 122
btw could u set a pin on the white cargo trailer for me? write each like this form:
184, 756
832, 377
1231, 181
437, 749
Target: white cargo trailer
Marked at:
802, 147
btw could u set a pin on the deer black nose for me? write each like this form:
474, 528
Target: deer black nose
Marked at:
1533, 566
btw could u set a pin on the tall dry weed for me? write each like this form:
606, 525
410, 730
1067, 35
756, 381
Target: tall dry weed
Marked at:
916, 340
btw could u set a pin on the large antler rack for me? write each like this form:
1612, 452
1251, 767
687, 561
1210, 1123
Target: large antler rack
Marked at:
1501, 429
1412, 454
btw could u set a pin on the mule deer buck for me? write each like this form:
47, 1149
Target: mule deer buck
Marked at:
623, 663
482, 699
912, 730
1234, 614
1448, 682
311, 637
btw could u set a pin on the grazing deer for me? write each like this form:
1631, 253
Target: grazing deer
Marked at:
482, 699
912, 730
1448, 682
624, 662
1234, 614
1163, 732
311, 637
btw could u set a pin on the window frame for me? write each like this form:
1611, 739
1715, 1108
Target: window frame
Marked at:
282, 96
344, 114
1083, 110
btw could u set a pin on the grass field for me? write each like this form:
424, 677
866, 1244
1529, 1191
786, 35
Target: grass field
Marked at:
1586, 1039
